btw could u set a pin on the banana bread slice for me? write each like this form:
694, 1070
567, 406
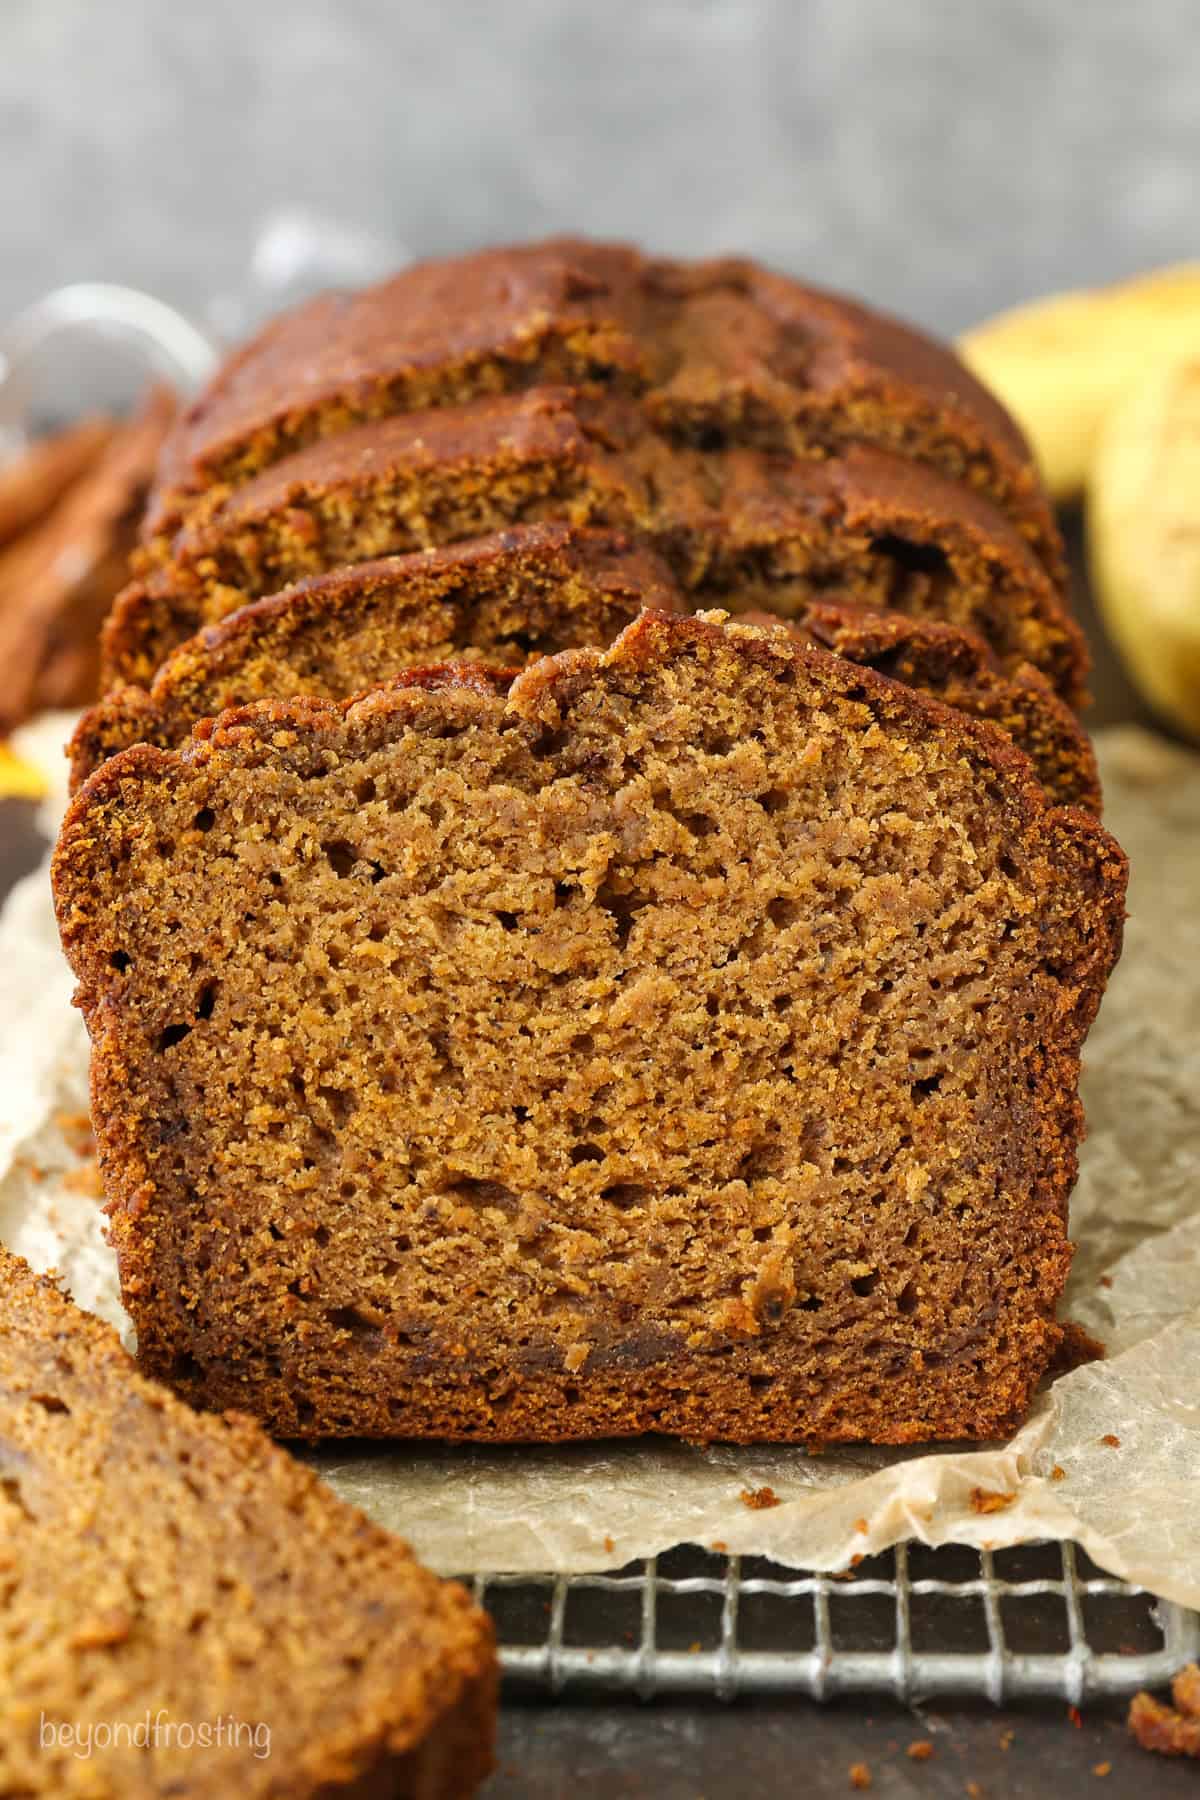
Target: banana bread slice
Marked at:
189, 1611
528, 592
503, 599
739, 526
686, 1040
720, 351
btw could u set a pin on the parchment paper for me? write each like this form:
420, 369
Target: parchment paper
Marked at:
1110, 1455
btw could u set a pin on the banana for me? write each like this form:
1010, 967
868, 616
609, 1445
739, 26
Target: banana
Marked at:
19, 780
1059, 364
1143, 525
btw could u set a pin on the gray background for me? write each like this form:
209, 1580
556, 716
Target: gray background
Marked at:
942, 157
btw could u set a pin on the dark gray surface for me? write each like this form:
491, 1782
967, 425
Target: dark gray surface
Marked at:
804, 1752
943, 157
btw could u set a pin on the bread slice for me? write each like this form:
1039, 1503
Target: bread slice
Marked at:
534, 590
186, 1610
722, 352
686, 1040
739, 526
502, 599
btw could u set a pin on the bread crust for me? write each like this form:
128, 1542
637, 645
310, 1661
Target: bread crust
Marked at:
719, 346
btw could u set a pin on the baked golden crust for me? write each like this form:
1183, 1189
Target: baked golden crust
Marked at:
721, 349
181, 1569
686, 1040
504, 599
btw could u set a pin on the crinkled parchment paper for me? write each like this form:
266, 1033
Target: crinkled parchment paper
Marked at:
1111, 1453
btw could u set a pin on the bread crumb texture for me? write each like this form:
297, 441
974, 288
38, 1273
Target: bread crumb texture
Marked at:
682, 1038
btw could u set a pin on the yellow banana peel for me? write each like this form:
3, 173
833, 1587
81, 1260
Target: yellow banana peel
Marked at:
19, 780
1061, 363
1143, 525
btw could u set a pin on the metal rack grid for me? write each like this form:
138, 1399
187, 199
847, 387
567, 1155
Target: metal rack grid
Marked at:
914, 1623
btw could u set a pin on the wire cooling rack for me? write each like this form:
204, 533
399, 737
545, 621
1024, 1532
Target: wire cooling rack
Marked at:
1037, 1620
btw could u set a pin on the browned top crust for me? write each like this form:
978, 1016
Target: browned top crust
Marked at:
722, 346
507, 597
163, 1560
543, 425
871, 487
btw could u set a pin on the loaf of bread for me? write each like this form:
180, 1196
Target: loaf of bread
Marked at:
188, 1611
682, 1037
738, 525
533, 591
